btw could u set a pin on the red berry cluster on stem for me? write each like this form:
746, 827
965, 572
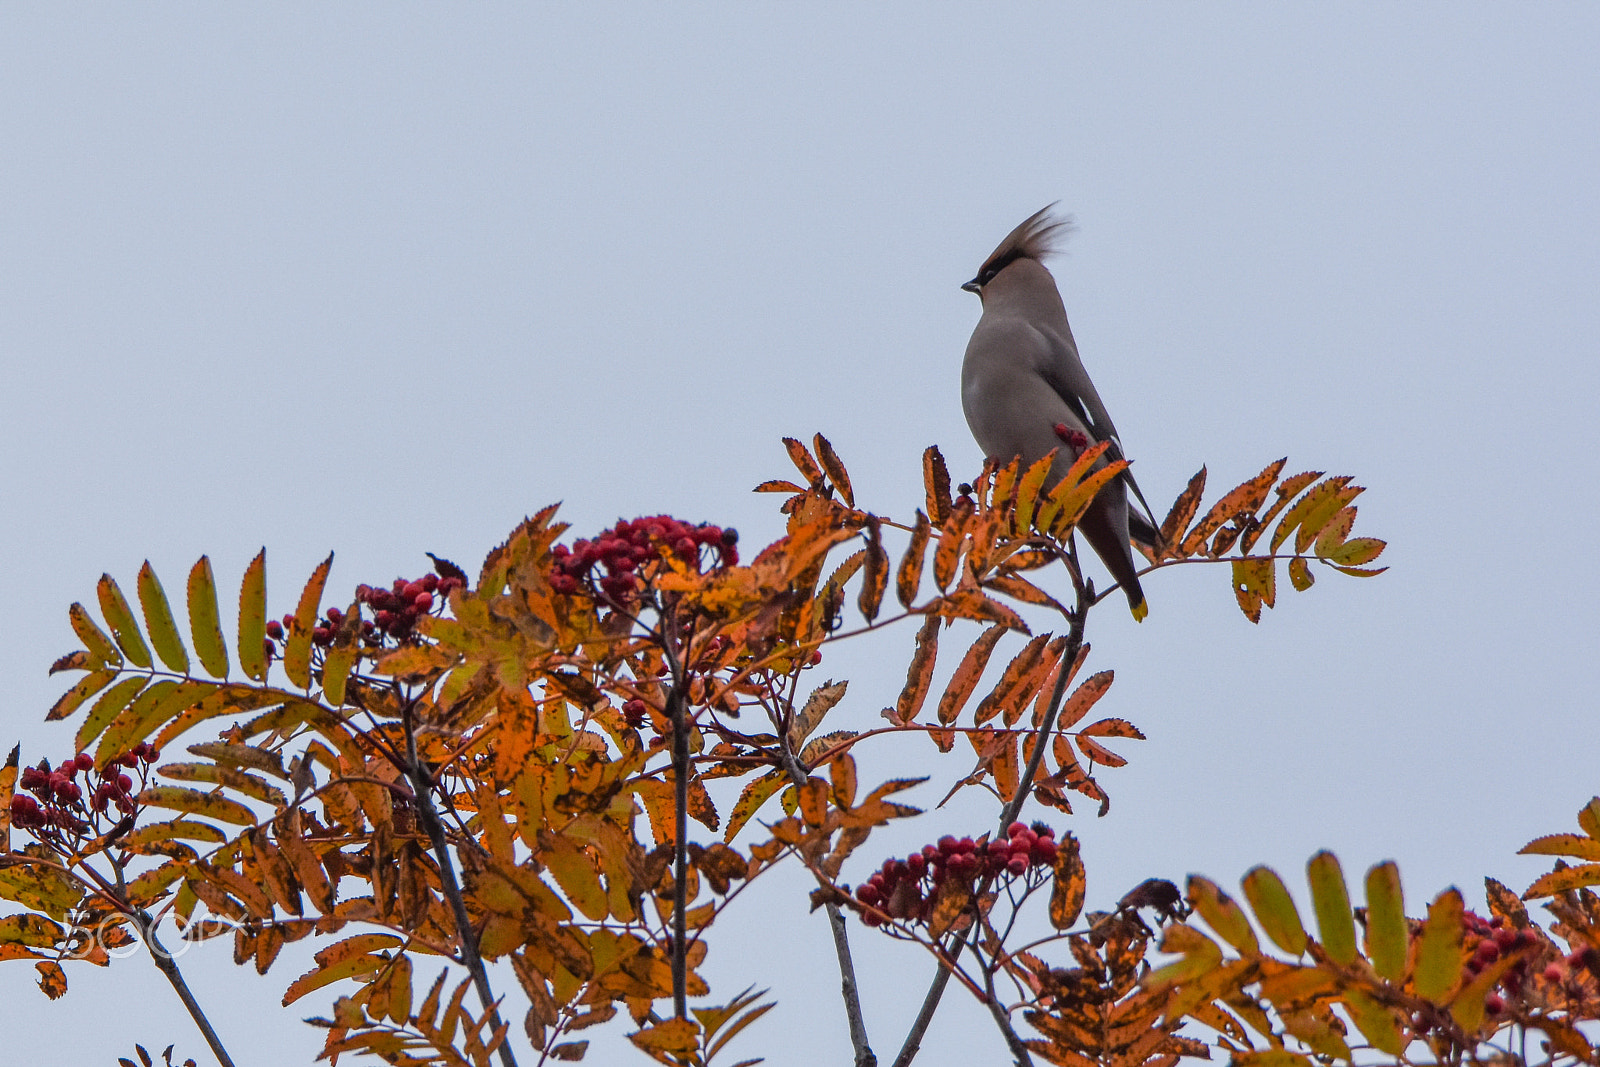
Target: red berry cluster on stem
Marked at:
906, 888
397, 608
621, 550
52, 798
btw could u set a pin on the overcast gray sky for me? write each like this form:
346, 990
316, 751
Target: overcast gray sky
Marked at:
384, 279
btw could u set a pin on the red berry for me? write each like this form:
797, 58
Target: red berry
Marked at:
1487, 951
1554, 973
947, 845
124, 782
422, 601
275, 630
1016, 828
84, 761
1494, 1003
1505, 938
816, 658
1017, 865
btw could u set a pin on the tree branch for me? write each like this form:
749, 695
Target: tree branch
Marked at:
848, 987
169, 968
422, 786
1008, 815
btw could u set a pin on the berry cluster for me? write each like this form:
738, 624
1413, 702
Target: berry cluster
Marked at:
397, 609
1076, 440
906, 889
57, 800
627, 546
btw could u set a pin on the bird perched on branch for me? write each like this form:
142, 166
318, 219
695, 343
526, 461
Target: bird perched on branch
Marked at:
1024, 391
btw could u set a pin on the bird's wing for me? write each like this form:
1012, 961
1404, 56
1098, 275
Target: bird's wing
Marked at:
1067, 377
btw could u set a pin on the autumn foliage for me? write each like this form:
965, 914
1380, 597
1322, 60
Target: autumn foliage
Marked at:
498, 787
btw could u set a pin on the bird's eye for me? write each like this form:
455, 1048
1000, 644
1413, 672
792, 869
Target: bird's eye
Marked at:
987, 276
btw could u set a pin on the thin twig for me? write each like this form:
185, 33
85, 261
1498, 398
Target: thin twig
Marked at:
169, 968
678, 713
1001, 1019
848, 987
422, 788
1008, 815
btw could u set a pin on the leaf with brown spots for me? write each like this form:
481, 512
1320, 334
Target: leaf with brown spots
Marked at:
835, 468
1241, 500
1183, 510
936, 484
909, 576
875, 573
803, 462
959, 689
919, 674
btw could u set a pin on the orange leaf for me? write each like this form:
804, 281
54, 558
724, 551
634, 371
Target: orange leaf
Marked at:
1019, 588
803, 462
1183, 510
1083, 698
959, 689
1112, 728
1241, 500
778, 486
1286, 492
875, 573
971, 604
1069, 884
919, 675
936, 483
909, 576
1008, 694
1098, 753
835, 468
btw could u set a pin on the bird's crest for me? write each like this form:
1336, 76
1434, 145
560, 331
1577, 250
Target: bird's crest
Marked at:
1038, 236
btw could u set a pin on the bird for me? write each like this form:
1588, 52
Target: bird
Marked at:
1024, 391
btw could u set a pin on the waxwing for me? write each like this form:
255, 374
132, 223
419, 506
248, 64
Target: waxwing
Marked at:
1024, 391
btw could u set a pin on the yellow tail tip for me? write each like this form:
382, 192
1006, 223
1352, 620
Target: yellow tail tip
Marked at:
1140, 610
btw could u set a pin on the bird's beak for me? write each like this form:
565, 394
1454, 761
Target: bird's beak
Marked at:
973, 287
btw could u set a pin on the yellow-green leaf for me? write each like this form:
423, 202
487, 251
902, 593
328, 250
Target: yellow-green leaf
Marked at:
575, 873
253, 619
1589, 818
159, 621
93, 638
1201, 955
1386, 922
1300, 575
73, 698
1274, 909
107, 708
152, 709
1376, 1022
1440, 954
204, 625
297, 645
114, 606
1254, 585
194, 802
1330, 899
1223, 915
756, 793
